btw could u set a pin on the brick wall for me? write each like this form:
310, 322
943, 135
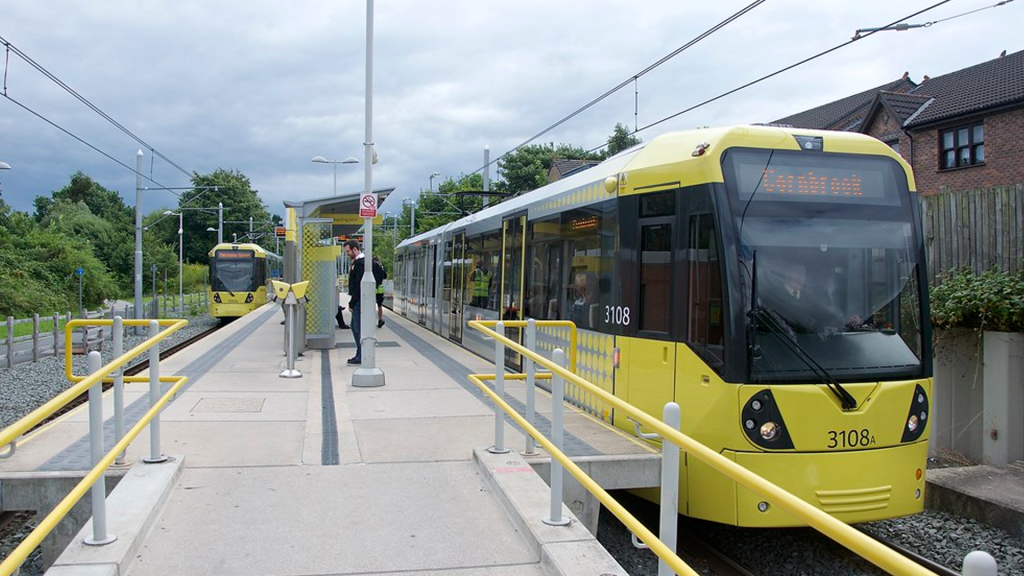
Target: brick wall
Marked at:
1004, 156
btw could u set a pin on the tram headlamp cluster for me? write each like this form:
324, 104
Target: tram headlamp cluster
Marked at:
249, 298
762, 422
917, 416
216, 297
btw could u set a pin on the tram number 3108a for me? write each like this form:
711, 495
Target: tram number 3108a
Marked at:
851, 438
616, 315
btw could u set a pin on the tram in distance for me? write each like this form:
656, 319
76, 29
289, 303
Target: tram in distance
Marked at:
769, 280
238, 279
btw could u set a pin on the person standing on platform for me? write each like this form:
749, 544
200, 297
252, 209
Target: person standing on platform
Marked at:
379, 275
355, 274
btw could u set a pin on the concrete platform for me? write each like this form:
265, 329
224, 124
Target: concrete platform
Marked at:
314, 476
993, 495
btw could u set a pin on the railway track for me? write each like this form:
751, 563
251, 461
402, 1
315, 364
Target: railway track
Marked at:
132, 370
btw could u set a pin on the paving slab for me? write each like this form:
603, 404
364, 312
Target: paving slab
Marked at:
336, 519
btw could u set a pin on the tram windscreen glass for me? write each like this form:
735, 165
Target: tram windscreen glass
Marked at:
789, 176
234, 271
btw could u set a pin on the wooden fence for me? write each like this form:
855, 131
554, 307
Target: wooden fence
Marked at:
976, 229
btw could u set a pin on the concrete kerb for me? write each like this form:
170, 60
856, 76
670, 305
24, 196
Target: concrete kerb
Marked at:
563, 550
132, 508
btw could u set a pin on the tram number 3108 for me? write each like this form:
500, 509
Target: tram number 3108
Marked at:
851, 438
616, 315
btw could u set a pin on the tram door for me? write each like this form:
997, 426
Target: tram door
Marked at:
652, 356
512, 258
456, 279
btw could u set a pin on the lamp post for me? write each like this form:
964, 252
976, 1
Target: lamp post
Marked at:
5, 166
181, 261
138, 239
412, 210
322, 160
432, 180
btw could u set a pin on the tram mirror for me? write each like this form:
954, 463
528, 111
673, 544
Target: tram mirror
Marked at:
300, 289
280, 289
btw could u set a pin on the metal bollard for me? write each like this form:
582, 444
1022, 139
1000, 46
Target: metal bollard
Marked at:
557, 399
289, 312
99, 488
56, 334
10, 341
979, 563
155, 457
669, 486
35, 337
118, 337
499, 389
531, 383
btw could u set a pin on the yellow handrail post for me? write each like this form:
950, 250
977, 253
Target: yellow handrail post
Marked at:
557, 435
531, 383
499, 388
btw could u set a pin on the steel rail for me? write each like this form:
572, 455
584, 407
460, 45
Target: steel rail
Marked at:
863, 545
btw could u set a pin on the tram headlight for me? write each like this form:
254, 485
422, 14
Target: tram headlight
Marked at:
248, 298
762, 422
769, 431
917, 416
749, 424
756, 405
216, 297
912, 423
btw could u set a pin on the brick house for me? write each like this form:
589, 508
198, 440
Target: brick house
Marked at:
960, 131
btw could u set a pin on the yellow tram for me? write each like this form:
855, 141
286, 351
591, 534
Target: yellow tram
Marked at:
769, 280
238, 279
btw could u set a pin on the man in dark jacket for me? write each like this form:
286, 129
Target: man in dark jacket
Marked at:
355, 275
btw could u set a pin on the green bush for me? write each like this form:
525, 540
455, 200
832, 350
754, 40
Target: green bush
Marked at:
992, 300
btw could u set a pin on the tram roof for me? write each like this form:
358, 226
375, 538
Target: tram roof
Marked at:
671, 148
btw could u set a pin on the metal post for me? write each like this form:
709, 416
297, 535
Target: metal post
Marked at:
669, 486
156, 303
557, 396
56, 333
290, 303
99, 488
154, 396
499, 389
181, 262
118, 337
138, 239
487, 174
35, 337
368, 374
220, 222
10, 341
531, 383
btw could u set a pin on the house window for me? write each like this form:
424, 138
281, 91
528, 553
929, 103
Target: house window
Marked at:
895, 145
962, 146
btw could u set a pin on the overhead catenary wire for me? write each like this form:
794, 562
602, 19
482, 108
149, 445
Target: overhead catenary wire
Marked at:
632, 79
49, 75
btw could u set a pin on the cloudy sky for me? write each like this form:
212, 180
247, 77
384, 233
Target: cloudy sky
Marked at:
262, 87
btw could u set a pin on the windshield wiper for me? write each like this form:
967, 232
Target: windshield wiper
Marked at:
760, 314
771, 320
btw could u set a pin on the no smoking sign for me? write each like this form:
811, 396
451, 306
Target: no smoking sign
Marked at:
368, 206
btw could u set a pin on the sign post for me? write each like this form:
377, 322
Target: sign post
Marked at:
81, 272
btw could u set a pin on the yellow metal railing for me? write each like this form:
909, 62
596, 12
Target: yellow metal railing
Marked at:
10, 435
856, 541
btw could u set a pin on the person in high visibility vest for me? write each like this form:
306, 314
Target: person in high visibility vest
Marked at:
378, 268
481, 285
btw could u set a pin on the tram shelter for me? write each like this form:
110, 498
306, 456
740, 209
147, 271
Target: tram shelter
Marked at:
312, 252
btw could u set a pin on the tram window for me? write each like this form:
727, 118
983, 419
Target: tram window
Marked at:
490, 258
658, 204
705, 332
655, 277
543, 276
591, 246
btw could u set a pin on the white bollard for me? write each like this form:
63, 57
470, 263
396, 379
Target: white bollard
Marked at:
669, 487
155, 457
557, 402
99, 488
979, 563
118, 338
499, 389
531, 383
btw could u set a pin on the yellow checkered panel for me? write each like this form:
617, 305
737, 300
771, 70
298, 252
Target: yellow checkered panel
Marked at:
594, 363
318, 267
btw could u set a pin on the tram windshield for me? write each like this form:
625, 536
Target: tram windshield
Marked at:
832, 241
234, 271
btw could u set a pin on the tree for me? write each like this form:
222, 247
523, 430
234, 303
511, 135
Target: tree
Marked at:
241, 202
621, 139
527, 168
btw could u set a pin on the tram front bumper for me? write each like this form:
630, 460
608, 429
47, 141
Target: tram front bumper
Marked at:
854, 486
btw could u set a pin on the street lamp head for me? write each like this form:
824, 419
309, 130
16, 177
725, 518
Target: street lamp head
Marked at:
168, 213
320, 159
5, 166
211, 229
350, 160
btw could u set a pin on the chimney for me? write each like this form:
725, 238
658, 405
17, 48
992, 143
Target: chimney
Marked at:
906, 75
1002, 54
925, 79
